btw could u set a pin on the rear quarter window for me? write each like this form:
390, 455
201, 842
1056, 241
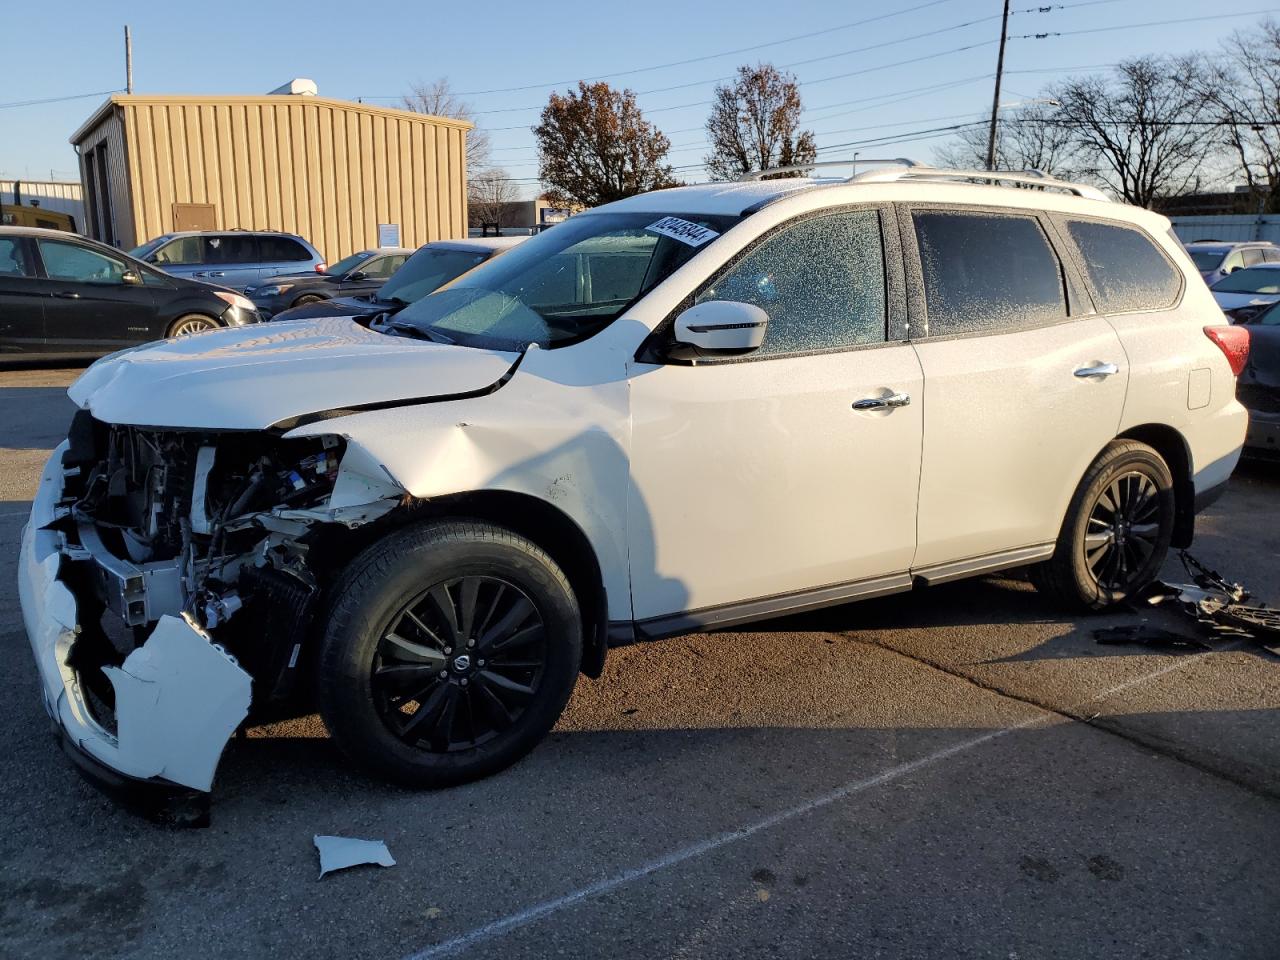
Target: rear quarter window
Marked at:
282, 250
1127, 270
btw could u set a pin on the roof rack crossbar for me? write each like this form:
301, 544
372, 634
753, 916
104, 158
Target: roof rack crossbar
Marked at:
752, 175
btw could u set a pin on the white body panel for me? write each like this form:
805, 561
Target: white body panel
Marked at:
756, 479
1009, 430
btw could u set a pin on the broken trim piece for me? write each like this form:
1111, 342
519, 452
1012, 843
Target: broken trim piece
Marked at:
338, 853
305, 419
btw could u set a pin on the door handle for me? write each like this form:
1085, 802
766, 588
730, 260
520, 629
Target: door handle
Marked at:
882, 403
1097, 370
67, 295
216, 273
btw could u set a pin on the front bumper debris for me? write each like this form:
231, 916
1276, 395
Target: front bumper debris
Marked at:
179, 696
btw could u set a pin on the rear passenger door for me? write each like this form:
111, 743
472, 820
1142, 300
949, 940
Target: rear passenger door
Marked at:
22, 298
230, 260
1023, 383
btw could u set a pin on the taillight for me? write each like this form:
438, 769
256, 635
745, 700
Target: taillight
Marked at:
1234, 344
321, 267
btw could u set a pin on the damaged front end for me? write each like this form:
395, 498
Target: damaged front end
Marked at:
169, 580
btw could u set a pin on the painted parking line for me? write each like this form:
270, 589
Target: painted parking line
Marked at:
514, 921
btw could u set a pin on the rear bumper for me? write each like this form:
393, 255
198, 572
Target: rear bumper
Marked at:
1264, 433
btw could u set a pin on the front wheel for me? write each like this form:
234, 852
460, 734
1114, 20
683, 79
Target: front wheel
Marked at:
192, 323
1117, 530
451, 650
306, 298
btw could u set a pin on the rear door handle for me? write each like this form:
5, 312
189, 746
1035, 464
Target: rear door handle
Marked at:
882, 403
216, 273
67, 295
1097, 370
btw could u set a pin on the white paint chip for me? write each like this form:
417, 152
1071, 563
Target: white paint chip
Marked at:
338, 853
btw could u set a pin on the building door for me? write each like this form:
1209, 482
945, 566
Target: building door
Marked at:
194, 216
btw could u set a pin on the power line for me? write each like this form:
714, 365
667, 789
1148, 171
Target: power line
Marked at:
1131, 26
76, 96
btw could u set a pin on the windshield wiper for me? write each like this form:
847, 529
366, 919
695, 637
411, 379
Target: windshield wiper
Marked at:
419, 332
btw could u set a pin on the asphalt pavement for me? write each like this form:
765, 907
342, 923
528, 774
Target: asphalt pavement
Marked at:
957, 772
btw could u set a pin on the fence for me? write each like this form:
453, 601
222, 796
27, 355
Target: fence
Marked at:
1235, 228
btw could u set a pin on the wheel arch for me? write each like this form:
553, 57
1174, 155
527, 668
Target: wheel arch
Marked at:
1172, 446
555, 532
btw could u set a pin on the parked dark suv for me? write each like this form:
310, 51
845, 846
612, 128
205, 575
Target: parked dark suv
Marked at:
63, 295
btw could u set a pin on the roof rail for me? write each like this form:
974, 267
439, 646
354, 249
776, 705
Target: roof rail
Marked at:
1037, 178
900, 168
751, 175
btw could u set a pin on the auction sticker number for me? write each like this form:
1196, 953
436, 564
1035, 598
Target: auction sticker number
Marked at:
683, 230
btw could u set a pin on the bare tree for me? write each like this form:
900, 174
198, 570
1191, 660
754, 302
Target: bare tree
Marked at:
1243, 92
594, 147
489, 194
1026, 139
437, 99
1145, 133
754, 124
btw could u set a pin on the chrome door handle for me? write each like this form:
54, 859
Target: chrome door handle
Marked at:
882, 403
1098, 370
216, 273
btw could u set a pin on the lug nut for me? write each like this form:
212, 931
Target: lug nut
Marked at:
464, 681
471, 643
443, 674
479, 663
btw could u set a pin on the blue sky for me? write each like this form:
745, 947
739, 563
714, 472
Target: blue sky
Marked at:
853, 79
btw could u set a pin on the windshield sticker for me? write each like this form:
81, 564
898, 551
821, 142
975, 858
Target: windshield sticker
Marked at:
683, 230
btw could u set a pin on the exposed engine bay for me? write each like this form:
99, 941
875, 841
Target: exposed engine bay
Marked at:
219, 527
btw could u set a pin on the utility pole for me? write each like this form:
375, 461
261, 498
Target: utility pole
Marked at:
128, 58
995, 100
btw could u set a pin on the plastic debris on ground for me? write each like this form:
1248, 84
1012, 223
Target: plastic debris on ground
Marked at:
1217, 605
338, 853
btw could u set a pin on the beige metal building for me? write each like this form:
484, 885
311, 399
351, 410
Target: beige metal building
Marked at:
331, 171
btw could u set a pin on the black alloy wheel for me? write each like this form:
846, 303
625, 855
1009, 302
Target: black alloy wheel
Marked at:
459, 663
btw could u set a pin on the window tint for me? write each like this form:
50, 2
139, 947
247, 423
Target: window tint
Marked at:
821, 281
282, 249
184, 250
69, 261
1251, 256
1127, 270
13, 258
987, 272
230, 248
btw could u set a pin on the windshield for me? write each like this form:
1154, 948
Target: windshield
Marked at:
1251, 280
1206, 260
347, 264
566, 283
1269, 317
149, 247
427, 270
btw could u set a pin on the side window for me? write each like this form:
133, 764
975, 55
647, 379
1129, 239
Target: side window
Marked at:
14, 261
282, 250
382, 266
182, 251
1233, 261
1271, 254
822, 282
1126, 269
70, 261
1252, 256
230, 248
987, 272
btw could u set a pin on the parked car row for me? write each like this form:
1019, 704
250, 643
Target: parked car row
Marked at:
64, 295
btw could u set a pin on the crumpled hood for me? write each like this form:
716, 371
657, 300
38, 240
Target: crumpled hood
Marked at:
247, 378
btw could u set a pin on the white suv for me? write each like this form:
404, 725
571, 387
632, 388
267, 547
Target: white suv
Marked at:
685, 410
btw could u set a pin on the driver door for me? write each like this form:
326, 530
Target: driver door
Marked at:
89, 307
772, 481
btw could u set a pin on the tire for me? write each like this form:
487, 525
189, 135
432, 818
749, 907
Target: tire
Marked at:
1125, 548
192, 323
380, 666
306, 298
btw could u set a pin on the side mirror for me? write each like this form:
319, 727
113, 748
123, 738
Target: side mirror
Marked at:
722, 326
356, 275
131, 278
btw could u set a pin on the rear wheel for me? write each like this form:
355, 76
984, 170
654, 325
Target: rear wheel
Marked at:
451, 650
306, 298
192, 323
1117, 530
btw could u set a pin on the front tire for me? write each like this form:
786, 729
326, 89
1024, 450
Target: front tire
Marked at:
451, 650
192, 323
1117, 530
306, 298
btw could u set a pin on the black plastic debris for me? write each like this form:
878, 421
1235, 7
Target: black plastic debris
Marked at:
1219, 606
1148, 636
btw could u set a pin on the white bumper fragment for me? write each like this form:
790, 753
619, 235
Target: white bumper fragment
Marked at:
179, 697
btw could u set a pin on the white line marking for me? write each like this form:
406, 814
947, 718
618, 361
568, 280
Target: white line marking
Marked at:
539, 910
20, 513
